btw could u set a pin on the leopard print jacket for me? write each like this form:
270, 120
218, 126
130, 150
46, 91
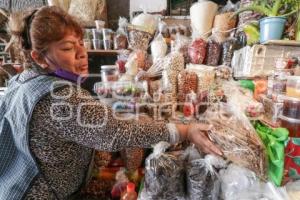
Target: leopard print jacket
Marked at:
65, 126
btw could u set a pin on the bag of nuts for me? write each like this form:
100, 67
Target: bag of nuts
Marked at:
138, 38
120, 39
187, 82
181, 44
197, 51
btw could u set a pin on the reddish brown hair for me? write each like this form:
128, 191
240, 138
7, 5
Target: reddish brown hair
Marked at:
50, 24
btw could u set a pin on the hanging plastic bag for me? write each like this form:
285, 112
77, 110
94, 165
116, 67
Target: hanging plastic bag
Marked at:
164, 175
213, 51
159, 46
120, 39
202, 176
235, 179
181, 45
197, 51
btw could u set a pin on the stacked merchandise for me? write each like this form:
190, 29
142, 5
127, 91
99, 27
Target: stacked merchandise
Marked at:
193, 81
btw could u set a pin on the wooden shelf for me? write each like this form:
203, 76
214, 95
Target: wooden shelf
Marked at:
104, 52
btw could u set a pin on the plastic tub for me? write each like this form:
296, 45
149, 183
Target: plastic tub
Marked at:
109, 73
293, 86
293, 125
291, 107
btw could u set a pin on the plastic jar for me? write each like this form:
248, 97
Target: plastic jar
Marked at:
293, 125
293, 86
109, 73
291, 107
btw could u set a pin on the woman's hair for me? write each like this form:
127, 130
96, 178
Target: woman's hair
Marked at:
36, 29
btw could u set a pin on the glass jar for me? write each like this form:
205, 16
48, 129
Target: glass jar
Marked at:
109, 73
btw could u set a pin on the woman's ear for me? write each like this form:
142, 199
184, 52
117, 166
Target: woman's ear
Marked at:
39, 59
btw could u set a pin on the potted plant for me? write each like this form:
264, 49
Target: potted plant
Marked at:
276, 11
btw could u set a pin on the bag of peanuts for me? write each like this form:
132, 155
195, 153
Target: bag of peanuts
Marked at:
138, 38
213, 51
187, 82
197, 51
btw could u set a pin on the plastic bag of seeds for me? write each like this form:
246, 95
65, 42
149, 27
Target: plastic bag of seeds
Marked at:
164, 174
120, 38
213, 51
181, 44
197, 51
159, 46
202, 176
138, 38
228, 48
187, 82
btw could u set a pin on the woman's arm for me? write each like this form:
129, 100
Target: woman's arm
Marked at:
88, 122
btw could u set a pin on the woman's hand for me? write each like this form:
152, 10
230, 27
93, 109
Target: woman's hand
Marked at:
197, 134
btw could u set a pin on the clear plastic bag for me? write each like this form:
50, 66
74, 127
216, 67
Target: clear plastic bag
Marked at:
197, 51
228, 48
235, 135
181, 44
159, 46
146, 21
139, 39
187, 82
121, 183
120, 39
213, 51
164, 175
202, 176
235, 179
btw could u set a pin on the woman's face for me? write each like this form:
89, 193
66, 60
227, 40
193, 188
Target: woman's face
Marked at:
68, 54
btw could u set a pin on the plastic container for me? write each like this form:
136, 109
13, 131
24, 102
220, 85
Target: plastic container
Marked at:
109, 73
291, 107
87, 44
293, 86
271, 28
293, 125
96, 44
130, 193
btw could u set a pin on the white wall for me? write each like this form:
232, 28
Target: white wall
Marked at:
150, 5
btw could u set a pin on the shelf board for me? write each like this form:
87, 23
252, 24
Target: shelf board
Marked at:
104, 52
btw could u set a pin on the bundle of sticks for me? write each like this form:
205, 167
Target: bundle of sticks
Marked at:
238, 140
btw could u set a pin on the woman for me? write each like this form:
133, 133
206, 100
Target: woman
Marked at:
49, 126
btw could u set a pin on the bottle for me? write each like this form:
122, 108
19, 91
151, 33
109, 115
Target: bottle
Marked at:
130, 193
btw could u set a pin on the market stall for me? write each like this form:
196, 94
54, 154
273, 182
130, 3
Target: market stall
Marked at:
225, 66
